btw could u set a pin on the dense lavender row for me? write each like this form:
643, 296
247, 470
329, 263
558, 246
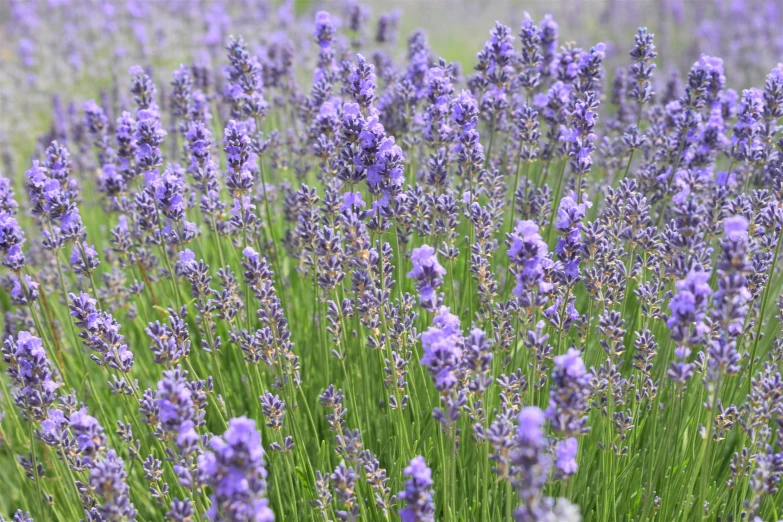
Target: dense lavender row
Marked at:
53, 49
535, 291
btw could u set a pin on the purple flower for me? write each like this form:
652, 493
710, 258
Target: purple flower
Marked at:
589, 71
251, 254
84, 259
175, 404
181, 510
362, 83
530, 427
705, 82
565, 456
442, 344
170, 343
418, 63
417, 495
344, 483
723, 359
713, 68
30, 371
529, 252
736, 228
324, 29
689, 307
108, 482
101, 333
52, 429
465, 114
642, 54
88, 433
127, 145
8, 202
549, 35
428, 274
169, 193
776, 74
23, 294
187, 257
110, 180
529, 459
236, 142
149, 138
273, 409
747, 140
200, 139
244, 88
11, 239
51, 192
187, 438
387, 27
568, 394
732, 299
464, 111
351, 200
98, 125
496, 57
234, 468
686, 323
569, 214
579, 136
181, 92
562, 319
531, 57
439, 91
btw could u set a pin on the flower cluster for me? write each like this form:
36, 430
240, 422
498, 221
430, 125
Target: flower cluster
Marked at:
234, 468
418, 493
30, 371
428, 274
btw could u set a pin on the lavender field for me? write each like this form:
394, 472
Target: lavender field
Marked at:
391, 261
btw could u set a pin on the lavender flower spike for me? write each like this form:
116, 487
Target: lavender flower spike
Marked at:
419, 506
428, 274
528, 252
108, 481
530, 463
568, 394
30, 371
234, 468
442, 344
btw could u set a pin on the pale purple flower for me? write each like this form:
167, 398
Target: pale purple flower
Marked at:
565, 456
108, 481
736, 228
351, 201
568, 394
417, 495
235, 470
442, 345
428, 273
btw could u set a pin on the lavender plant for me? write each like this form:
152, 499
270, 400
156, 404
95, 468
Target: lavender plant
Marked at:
314, 273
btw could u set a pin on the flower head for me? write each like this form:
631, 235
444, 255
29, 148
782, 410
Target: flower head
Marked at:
417, 495
234, 468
